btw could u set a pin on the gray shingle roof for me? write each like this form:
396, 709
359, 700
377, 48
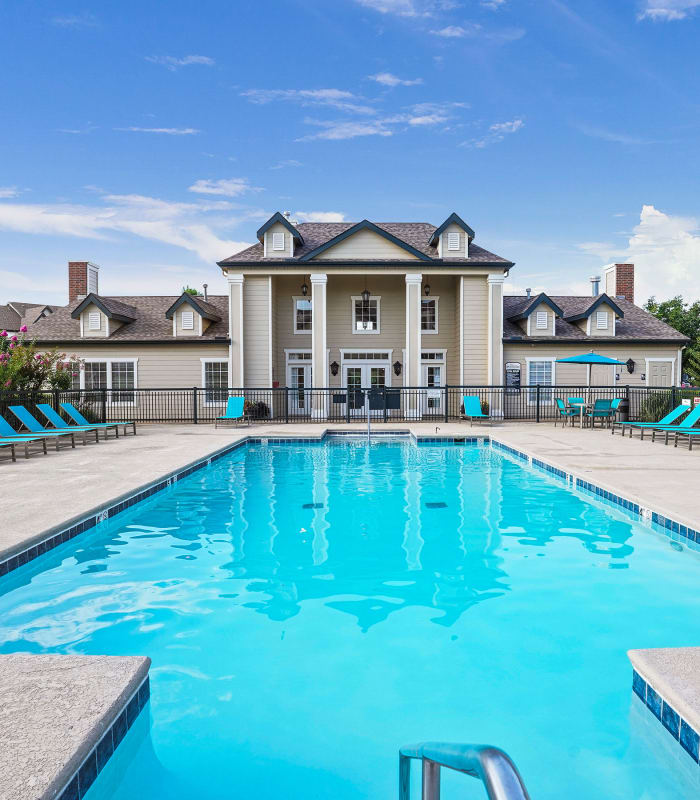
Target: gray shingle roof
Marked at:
150, 324
636, 324
416, 234
9, 320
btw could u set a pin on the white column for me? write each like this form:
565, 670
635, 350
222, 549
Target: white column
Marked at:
495, 345
413, 339
319, 359
236, 373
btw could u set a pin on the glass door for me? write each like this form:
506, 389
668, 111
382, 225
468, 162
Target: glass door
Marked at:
299, 380
356, 399
434, 396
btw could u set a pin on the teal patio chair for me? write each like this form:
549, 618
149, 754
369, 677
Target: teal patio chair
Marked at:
74, 414
234, 411
59, 423
8, 432
686, 425
566, 414
17, 441
669, 419
602, 410
33, 425
472, 408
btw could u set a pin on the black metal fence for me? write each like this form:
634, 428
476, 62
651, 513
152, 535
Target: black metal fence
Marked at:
284, 405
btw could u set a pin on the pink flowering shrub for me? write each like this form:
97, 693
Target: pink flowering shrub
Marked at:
24, 369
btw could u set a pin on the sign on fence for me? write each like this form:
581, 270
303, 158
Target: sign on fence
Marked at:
512, 377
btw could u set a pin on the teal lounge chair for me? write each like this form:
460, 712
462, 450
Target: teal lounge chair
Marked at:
8, 432
17, 441
687, 425
234, 411
73, 413
566, 414
472, 408
669, 419
34, 426
690, 436
60, 424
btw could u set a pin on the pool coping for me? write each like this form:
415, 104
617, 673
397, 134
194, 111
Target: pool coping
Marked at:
16, 556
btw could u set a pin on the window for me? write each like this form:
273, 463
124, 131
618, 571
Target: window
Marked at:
365, 315
302, 315
358, 356
74, 368
453, 241
188, 320
300, 356
94, 320
542, 321
601, 320
95, 373
123, 376
215, 379
542, 373
278, 241
429, 315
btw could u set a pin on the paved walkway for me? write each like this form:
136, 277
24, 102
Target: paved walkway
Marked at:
45, 492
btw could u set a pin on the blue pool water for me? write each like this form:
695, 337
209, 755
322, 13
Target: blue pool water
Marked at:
310, 608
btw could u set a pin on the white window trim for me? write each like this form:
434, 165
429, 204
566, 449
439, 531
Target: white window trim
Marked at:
206, 361
108, 362
376, 297
553, 361
437, 315
441, 360
276, 249
671, 361
182, 320
598, 315
91, 314
449, 248
359, 361
294, 315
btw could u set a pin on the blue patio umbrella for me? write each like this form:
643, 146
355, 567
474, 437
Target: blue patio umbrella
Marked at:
589, 359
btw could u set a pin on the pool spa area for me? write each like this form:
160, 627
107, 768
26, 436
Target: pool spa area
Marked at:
311, 607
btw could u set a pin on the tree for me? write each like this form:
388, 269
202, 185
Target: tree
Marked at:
685, 318
189, 290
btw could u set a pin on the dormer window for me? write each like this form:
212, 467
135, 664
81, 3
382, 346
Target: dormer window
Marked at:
188, 320
94, 321
601, 320
542, 322
453, 240
278, 241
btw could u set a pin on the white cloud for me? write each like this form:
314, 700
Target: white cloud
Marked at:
453, 32
388, 79
427, 119
319, 216
409, 8
227, 187
496, 133
667, 10
192, 226
168, 131
8, 191
494, 5
173, 63
665, 251
338, 130
496, 37
606, 135
288, 162
84, 20
335, 98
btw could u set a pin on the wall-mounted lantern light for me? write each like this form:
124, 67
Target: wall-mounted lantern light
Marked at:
397, 368
427, 290
630, 365
334, 368
304, 288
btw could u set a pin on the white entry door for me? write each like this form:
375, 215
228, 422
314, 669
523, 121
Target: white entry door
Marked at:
299, 379
659, 373
434, 396
363, 376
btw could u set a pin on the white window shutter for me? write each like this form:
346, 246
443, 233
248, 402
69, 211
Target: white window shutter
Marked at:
542, 322
94, 320
453, 241
188, 320
602, 320
278, 241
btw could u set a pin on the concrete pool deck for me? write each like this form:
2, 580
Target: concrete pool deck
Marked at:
44, 493
60, 719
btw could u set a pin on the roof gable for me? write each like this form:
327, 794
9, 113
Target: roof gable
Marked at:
112, 309
541, 298
453, 219
366, 225
203, 308
599, 300
277, 217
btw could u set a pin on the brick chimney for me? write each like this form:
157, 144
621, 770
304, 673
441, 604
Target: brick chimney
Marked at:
82, 279
624, 281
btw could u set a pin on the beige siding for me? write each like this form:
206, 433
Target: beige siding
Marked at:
453, 355
366, 244
446, 288
607, 332
287, 286
103, 331
179, 330
273, 324
256, 340
288, 242
575, 374
462, 242
549, 330
476, 319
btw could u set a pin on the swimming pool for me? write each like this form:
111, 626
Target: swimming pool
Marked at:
311, 608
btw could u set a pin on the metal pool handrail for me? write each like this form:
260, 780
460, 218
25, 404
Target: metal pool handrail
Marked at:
490, 765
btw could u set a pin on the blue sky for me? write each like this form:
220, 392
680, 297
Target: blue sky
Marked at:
154, 139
